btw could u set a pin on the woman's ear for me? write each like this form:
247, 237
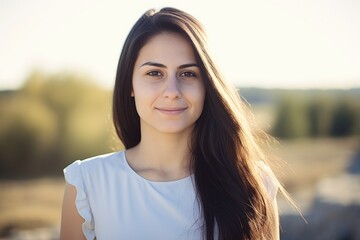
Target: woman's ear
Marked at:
132, 93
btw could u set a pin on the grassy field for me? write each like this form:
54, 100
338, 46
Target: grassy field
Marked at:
30, 204
37, 203
304, 163
307, 161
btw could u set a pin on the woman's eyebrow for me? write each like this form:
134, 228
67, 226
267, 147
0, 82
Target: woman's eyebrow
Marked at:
155, 64
188, 65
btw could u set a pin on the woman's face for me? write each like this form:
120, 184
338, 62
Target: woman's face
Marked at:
167, 85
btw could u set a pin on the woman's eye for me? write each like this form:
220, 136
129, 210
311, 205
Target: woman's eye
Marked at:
188, 74
154, 73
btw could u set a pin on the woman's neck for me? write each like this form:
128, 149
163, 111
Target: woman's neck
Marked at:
161, 157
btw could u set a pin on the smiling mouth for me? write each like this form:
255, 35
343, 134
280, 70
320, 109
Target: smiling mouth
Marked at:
171, 111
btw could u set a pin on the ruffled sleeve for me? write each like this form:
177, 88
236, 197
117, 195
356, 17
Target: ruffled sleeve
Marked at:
269, 180
73, 175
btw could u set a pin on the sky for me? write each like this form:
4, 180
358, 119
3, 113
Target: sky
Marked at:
258, 43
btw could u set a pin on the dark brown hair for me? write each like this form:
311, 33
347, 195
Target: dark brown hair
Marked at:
224, 148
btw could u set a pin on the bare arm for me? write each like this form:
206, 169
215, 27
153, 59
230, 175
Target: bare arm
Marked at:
71, 221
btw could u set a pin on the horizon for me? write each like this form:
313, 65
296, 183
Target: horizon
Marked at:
91, 81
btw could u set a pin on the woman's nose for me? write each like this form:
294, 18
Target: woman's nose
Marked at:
172, 89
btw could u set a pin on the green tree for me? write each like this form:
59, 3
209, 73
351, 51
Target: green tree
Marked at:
320, 110
344, 119
291, 121
51, 121
27, 135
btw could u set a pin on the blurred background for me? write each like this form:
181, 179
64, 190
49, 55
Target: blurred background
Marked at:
297, 63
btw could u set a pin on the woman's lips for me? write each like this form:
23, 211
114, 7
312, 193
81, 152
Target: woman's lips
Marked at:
171, 111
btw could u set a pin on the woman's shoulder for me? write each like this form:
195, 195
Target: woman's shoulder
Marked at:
96, 163
103, 159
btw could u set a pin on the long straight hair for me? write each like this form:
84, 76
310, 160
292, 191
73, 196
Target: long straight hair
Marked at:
224, 148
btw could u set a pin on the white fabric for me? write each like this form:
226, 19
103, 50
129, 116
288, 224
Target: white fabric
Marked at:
117, 203
269, 179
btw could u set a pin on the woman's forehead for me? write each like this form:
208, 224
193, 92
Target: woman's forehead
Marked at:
167, 47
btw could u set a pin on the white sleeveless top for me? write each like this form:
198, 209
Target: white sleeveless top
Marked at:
117, 203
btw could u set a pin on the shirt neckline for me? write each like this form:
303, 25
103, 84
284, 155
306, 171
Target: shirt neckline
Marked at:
138, 176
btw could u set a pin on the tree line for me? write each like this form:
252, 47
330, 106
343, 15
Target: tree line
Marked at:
51, 121
320, 114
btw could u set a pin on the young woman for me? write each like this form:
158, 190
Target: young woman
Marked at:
191, 168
